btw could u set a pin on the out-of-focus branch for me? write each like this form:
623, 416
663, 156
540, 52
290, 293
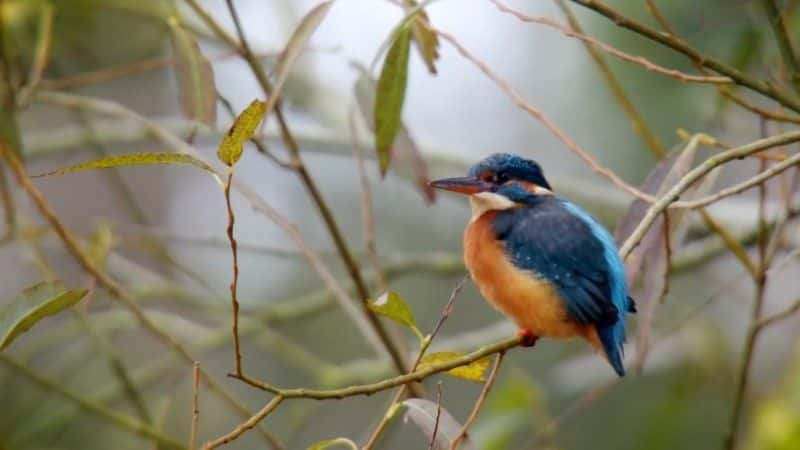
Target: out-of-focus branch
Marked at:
763, 87
637, 121
778, 25
590, 41
195, 405
123, 421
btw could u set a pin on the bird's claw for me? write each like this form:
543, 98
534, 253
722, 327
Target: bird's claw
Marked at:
528, 338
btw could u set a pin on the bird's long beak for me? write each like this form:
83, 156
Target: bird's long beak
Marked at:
462, 185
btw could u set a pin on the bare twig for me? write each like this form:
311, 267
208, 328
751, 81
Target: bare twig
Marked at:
539, 115
637, 121
247, 425
778, 25
237, 352
487, 386
695, 174
763, 87
195, 405
639, 60
438, 415
785, 314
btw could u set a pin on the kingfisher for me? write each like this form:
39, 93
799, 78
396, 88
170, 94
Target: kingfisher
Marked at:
540, 259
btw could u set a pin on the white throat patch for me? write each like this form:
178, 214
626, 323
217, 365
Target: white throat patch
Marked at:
483, 202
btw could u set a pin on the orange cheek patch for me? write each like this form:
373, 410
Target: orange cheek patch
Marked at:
528, 186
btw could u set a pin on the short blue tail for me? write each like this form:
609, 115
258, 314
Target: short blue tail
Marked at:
612, 337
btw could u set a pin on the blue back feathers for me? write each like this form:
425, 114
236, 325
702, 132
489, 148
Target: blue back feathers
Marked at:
558, 241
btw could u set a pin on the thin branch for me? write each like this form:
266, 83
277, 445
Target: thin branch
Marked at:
237, 351
637, 121
195, 405
763, 87
438, 415
785, 314
639, 60
730, 241
778, 25
487, 386
245, 426
537, 114
695, 174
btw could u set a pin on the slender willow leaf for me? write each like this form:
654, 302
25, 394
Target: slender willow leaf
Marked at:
390, 97
195, 76
9, 130
408, 160
474, 371
423, 413
322, 445
293, 48
394, 307
425, 39
243, 128
40, 309
133, 159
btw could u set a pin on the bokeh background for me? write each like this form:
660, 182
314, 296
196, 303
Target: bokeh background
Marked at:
683, 398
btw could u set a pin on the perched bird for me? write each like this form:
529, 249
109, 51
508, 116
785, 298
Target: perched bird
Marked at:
540, 259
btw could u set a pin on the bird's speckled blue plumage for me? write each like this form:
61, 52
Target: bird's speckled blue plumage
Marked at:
558, 241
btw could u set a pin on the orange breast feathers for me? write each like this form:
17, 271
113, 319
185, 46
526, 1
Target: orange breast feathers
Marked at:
533, 303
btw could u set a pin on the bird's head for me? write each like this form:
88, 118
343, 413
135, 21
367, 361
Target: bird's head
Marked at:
500, 181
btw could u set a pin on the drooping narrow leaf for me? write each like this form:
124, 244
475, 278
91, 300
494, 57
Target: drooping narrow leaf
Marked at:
133, 159
390, 96
243, 128
322, 445
426, 41
195, 76
394, 307
297, 41
408, 160
33, 305
474, 371
423, 413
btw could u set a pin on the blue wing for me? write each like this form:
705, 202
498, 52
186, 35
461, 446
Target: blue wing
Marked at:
562, 243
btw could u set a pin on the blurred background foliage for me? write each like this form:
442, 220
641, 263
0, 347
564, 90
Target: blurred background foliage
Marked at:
160, 230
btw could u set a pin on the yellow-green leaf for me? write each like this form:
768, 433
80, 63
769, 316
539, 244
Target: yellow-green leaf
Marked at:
243, 128
33, 305
100, 243
328, 443
394, 307
195, 76
425, 39
474, 371
133, 159
390, 96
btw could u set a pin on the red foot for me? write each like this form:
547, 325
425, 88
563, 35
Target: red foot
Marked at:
528, 338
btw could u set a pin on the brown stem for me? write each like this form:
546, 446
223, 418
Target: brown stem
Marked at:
487, 386
237, 361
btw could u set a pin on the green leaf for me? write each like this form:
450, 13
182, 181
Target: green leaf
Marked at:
9, 130
328, 443
33, 305
474, 371
394, 307
133, 159
389, 97
297, 41
408, 161
195, 76
425, 39
243, 128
